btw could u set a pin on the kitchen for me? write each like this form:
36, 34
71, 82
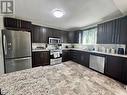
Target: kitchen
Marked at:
63, 49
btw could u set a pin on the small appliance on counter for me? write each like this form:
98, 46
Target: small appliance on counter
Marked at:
108, 50
73, 46
66, 46
113, 51
120, 50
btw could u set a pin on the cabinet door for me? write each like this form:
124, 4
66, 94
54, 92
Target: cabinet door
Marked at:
56, 33
75, 56
64, 36
70, 37
35, 34
84, 58
65, 55
117, 33
99, 34
43, 35
25, 25
76, 36
73, 37
45, 58
40, 58
113, 67
125, 72
108, 32
11, 22
36, 59
102, 34
123, 30
49, 32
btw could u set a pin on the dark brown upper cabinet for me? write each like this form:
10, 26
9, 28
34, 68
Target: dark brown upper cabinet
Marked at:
41, 34
25, 24
17, 24
64, 35
35, 34
11, 22
113, 32
107, 33
70, 37
56, 33
123, 30
73, 37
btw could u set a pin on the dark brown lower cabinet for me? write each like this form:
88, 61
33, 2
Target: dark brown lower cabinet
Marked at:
80, 57
40, 58
75, 56
84, 58
114, 67
125, 71
65, 55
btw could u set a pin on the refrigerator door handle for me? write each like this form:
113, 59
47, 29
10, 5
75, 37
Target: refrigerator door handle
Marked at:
5, 44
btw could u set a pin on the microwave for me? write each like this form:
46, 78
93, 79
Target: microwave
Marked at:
54, 41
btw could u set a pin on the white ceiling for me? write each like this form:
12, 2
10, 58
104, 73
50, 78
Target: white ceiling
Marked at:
79, 13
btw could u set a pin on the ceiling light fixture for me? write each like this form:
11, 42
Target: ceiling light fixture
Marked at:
58, 13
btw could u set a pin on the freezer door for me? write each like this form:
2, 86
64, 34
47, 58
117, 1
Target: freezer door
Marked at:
13, 65
16, 44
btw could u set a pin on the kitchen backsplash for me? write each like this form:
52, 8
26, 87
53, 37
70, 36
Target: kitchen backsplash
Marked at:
44, 45
35, 45
66, 45
100, 47
97, 47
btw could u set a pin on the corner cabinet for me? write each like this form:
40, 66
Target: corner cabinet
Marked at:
40, 58
73, 37
65, 55
80, 57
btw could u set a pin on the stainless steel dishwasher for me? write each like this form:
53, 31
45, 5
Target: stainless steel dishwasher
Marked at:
97, 63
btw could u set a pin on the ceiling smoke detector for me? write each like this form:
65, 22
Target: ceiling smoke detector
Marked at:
58, 13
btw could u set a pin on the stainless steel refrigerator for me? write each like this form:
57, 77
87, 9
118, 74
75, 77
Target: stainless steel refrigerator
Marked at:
17, 50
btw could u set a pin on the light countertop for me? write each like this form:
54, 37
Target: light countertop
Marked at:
118, 55
37, 50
